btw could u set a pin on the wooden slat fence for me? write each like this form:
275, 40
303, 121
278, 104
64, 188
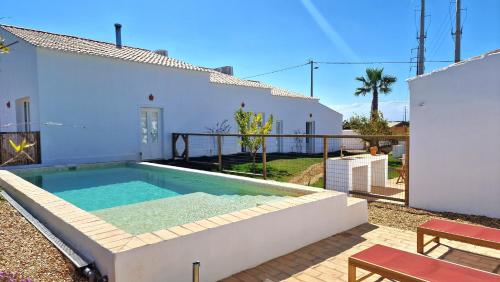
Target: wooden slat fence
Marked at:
9, 156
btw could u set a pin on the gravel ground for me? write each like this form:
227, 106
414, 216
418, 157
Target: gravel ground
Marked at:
25, 251
405, 218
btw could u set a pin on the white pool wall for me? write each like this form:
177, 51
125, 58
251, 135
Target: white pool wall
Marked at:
237, 246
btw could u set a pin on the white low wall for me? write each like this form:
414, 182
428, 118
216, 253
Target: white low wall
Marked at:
234, 247
454, 140
352, 143
398, 150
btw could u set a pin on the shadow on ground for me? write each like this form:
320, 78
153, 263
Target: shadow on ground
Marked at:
293, 263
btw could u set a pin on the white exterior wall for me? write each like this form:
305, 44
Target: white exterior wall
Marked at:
18, 79
454, 140
97, 101
352, 143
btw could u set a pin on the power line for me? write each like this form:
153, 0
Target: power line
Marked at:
275, 71
382, 62
346, 63
440, 36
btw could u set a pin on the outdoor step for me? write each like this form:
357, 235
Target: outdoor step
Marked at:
356, 206
351, 201
163, 213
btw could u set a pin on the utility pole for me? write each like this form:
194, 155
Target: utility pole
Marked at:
458, 32
311, 62
421, 39
312, 77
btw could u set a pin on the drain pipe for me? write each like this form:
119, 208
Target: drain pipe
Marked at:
88, 269
90, 273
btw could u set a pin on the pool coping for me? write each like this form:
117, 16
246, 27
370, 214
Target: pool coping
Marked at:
116, 240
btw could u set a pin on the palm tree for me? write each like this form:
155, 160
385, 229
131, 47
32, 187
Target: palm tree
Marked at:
375, 82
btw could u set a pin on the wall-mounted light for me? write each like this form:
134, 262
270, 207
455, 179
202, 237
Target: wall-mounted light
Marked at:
8, 104
151, 97
422, 104
242, 104
310, 115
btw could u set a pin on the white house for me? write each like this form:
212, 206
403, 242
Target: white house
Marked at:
455, 137
95, 101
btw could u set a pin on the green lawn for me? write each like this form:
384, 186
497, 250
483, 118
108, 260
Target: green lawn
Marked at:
280, 169
283, 167
393, 164
319, 183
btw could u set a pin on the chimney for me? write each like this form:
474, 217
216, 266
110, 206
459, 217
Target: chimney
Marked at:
118, 32
225, 70
162, 52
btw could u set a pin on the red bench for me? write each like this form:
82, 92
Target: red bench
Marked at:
403, 266
472, 234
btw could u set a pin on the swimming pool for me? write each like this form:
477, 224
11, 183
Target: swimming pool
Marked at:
139, 198
117, 215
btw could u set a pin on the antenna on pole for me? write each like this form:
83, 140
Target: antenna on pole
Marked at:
458, 32
421, 39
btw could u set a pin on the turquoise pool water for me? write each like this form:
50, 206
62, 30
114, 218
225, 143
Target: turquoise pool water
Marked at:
139, 198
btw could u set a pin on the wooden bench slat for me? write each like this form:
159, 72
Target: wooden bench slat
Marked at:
462, 229
417, 267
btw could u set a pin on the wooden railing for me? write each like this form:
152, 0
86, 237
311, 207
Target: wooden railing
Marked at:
10, 156
217, 158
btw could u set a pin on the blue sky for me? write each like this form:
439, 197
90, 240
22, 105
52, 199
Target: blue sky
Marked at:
263, 35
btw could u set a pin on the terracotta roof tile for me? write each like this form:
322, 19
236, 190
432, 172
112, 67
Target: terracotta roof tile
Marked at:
217, 77
80, 45
92, 47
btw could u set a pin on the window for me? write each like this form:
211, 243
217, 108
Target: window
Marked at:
279, 140
310, 144
144, 127
23, 114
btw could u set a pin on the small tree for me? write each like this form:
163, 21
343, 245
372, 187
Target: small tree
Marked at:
3, 48
346, 125
375, 125
252, 124
219, 128
298, 141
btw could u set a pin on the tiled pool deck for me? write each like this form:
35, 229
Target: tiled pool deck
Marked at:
326, 260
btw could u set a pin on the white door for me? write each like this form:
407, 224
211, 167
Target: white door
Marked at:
151, 135
310, 129
279, 140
